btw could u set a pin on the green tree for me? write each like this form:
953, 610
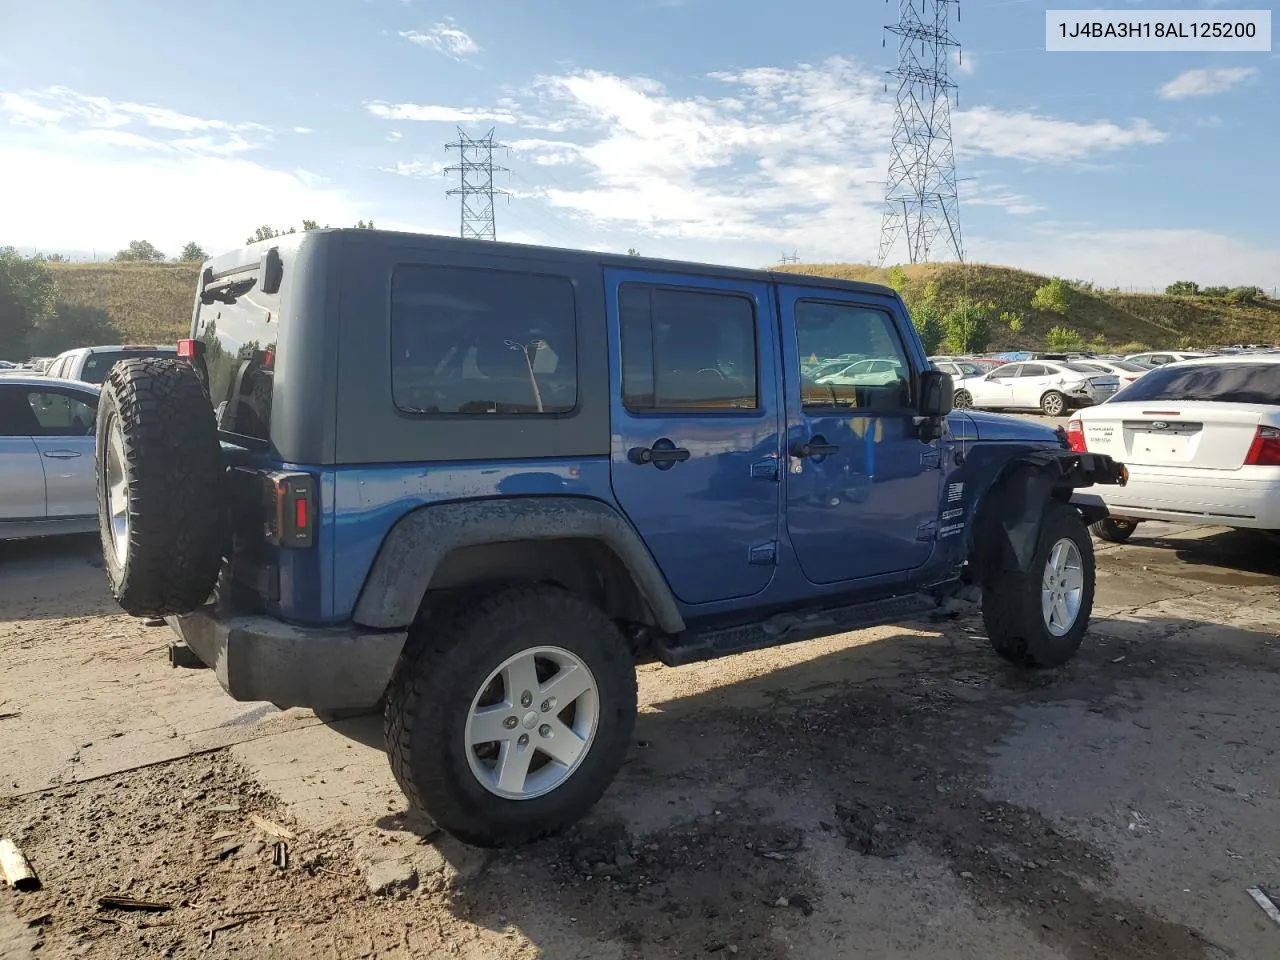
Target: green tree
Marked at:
26, 298
72, 325
312, 225
1183, 288
55, 258
140, 250
268, 232
1011, 320
1215, 291
632, 252
1054, 297
927, 319
1245, 295
193, 253
362, 225
1099, 343
968, 327
898, 278
1062, 338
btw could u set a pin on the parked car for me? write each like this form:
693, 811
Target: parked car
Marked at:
1161, 357
959, 369
46, 457
540, 465
869, 371
1201, 440
1052, 387
1125, 371
91, 364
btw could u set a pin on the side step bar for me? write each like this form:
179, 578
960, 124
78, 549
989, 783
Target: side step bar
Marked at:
691, 647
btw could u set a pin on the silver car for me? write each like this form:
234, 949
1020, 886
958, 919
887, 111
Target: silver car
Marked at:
46, 457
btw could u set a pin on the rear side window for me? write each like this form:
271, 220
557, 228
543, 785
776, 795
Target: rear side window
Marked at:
1224, 383
685, 350
472, 341
98, 365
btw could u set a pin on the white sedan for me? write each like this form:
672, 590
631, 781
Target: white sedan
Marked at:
1051, 386
1125, 371
1201, 441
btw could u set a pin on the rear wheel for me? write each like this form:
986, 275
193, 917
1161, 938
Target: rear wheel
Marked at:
1053, 404
1114, 530
159, 472
509, 717
963, 400
1038, 618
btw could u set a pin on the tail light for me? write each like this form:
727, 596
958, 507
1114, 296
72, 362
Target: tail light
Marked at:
1075, 436
290, 509
1265, 449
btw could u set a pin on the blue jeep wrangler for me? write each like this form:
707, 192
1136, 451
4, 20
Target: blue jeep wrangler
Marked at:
475, 482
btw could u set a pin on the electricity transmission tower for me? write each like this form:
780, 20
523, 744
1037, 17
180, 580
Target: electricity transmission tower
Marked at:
792, 258
920, 192
476, 169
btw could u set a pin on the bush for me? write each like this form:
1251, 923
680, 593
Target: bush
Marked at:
927, 320
1053, 297
1062, 338
968, 327
1245, 295
1183, 288
1215, 291
71, 325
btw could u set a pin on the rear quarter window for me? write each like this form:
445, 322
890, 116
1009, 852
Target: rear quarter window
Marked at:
98, 365
467, 341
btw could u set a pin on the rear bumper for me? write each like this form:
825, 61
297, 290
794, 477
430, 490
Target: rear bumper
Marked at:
261, 659
1191, 496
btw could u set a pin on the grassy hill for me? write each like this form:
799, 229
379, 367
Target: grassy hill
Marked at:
1155, 320
148, 302
151, 302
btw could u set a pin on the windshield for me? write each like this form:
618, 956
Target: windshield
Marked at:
1221, 383
1127, 366
98, 365
1083, 368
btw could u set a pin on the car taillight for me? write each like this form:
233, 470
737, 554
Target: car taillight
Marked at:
1075, 436
189, 349
1265, 449
289, 505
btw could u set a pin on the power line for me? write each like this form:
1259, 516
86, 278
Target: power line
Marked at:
475, 168
792, 258
920, 193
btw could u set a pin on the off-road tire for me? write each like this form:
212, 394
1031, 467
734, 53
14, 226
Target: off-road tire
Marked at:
1053, 404
1011, 600
173, 474
1114, 531
962, 400
441, 670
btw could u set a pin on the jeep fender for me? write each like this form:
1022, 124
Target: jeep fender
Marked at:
420, 540
1008, 510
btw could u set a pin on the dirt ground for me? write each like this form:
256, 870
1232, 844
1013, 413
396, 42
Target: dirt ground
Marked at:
895, 793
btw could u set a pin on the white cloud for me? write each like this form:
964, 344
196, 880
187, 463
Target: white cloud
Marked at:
302, 130
795, 157
394, 136
415, 168
123, 170
1206, 82
428, 113
445, 38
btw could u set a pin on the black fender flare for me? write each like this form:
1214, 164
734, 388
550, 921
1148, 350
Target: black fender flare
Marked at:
1008, 513
415, 545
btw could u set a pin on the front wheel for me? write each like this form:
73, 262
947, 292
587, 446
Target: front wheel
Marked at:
1113, 530
1038, 618
508, 719
1053, 404
963, 400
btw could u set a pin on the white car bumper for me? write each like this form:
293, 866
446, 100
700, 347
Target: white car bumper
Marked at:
1191, 496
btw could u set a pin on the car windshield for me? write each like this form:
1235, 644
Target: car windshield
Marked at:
1127, 366
98, 365
1082, 368
1222, 383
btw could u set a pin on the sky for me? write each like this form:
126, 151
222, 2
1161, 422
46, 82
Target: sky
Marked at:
724, 131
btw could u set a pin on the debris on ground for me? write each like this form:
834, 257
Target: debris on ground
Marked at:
271, 828
16, 868
114, 902
1265, 902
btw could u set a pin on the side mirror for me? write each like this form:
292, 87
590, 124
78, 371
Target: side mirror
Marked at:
937, 393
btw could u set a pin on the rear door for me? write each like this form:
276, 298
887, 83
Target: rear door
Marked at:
1030, 384
862, 489
696, 437
22, 489
65, 439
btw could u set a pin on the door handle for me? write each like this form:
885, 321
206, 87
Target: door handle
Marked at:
663, 454
817, 447
61, 454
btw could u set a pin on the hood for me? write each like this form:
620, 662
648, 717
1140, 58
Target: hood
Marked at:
978, 425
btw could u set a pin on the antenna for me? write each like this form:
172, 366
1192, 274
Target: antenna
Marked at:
920, 193
476, 169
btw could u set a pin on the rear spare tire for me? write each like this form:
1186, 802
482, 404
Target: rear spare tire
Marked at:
159, 473
1038, 618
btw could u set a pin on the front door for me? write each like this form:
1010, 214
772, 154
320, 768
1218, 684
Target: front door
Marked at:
696, 428
1029, 385
66, 442
20, 468
862, 489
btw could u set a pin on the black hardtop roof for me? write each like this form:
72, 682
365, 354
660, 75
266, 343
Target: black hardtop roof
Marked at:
428, 241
